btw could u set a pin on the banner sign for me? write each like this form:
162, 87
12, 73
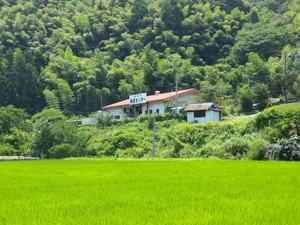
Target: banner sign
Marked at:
138, 98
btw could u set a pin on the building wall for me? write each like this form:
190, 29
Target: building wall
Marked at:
117, 112
158, 107
184, 100
211, 116
89, 120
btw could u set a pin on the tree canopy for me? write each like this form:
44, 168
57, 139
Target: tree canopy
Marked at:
77, 56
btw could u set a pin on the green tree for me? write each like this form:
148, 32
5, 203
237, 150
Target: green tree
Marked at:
245, 98
261, 95
66, 96
51, 99
11, 117
43, 138
264, 39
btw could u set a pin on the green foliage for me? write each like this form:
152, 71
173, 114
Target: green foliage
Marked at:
11, 117
104, 120
237, 146
43, 139
258, 149
284, 118
79, 56
51, 100
245, 98
261, 95
48, 114
64, 54
67, 97
285, 149
6, 150
61, 151
18, 143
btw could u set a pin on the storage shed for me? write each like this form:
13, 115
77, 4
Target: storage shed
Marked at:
203, 113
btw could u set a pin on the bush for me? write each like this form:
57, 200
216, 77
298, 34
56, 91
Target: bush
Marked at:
258, 149
237, 146
61, 151
6, 150
284, 118
285, 149
104, 120
135, 152
213, 149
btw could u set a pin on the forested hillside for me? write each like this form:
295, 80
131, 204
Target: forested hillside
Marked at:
80, 55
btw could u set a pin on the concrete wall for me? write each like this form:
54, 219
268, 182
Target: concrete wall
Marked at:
211, 116
89, 120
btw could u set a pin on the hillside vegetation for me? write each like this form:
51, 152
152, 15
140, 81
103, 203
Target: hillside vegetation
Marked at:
79, 55
273, 134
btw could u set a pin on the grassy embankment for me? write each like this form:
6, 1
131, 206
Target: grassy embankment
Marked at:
149, 192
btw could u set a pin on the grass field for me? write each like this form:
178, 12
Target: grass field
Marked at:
149, 192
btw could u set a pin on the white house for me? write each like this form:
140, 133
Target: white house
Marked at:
202, 113
153, 103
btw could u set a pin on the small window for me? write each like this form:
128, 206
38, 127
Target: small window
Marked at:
157, 111
117, 117
146, 112
150, 111
198, 114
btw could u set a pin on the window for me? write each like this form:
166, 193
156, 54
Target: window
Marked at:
146, 111
117, 117
198, 114
150, 111
157, 111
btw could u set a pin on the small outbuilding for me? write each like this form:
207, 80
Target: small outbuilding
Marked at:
203, 113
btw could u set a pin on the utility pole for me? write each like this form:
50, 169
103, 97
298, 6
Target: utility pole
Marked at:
283, 79
101, 100
284, 62
248, 83
176, 96
153, 137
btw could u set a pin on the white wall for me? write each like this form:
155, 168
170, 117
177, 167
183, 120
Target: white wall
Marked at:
116, 112
160, 106
211, 116
184, 100
89, 120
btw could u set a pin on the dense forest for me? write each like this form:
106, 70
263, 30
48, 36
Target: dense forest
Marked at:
78, 56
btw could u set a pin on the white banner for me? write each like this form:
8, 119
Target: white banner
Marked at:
138, 98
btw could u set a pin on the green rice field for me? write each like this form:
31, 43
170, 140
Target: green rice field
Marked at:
82, 191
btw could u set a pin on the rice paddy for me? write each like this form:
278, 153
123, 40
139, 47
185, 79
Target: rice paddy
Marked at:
149, 192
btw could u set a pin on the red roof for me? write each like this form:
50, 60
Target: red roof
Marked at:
161, 97
201, 107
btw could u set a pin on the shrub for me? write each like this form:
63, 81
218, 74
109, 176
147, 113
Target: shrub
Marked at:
7, 150
285, 149
104, 120
237, 146
284, 118
187, 152
213, 149
258, 149
135, 152
61, 151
